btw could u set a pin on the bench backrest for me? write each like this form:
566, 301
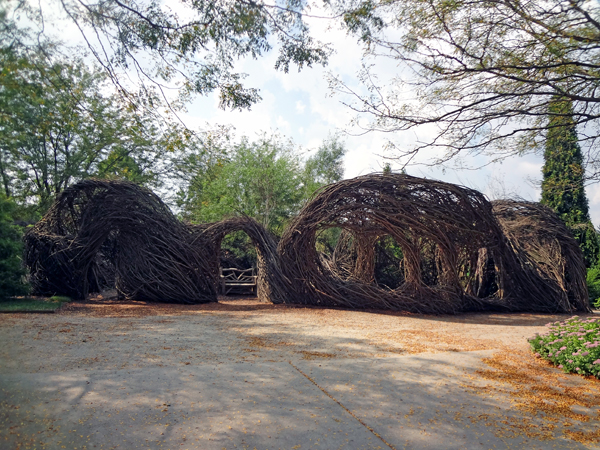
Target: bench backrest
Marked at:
233, 274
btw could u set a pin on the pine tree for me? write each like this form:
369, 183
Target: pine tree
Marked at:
563, 178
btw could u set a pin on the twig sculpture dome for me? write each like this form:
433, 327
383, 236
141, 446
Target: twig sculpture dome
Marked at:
208, 238
459, 251
125, 230
545, 268
440, 228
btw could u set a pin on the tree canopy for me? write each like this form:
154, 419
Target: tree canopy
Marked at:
264, 179
191, 45
484, 72
60, 123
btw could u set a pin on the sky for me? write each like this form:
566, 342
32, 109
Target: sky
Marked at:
301, 106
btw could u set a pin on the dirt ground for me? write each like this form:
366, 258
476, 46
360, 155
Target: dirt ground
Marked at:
102, 334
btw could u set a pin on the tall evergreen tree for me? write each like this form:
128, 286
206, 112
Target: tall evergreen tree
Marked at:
563, 178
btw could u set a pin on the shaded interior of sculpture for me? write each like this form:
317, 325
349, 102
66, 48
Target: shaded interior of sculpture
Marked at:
454, 251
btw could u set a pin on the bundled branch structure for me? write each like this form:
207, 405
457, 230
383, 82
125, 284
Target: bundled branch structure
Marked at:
459, 252
100, 233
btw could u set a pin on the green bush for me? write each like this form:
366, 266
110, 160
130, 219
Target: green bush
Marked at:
11, 248
593, 285
572, 345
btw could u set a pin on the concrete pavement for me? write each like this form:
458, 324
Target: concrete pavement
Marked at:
412, 402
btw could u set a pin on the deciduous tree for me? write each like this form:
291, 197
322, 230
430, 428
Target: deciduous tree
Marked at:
484, 72
264, 179
324, 167
59, 124
260, 179
191, 45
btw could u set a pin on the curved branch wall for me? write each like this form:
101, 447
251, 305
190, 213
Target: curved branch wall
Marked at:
460, 252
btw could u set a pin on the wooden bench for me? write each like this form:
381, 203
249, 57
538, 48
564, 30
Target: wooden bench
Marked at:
238, 281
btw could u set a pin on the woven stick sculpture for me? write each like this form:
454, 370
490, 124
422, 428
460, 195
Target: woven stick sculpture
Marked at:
447, 222
550, 275
124, 227
459, 252
208, 238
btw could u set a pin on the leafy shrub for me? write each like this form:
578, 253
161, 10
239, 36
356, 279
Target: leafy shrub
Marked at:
572, 345
593, 285
11, 267
237, 250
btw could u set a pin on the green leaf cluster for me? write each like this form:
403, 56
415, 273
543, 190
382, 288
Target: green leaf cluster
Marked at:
324, 167
11, 247
264, 179
593, 285
195, 45
60, 122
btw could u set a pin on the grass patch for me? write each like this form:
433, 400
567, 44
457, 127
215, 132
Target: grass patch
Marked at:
572, 345
31, 304
60, 298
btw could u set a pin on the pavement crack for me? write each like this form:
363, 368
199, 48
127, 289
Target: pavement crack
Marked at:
344, 407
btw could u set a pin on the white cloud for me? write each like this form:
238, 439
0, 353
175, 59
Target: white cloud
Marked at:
283, 124
593, 193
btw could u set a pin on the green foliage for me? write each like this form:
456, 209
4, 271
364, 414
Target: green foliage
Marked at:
587, 238
264, 179
593, 285
237, 250
324, 167
193, 45
260, 179
327, 239
572, 345
11, 267
563, 187
59, 124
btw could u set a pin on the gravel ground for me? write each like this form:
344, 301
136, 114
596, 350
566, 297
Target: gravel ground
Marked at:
86, 338
108, 335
